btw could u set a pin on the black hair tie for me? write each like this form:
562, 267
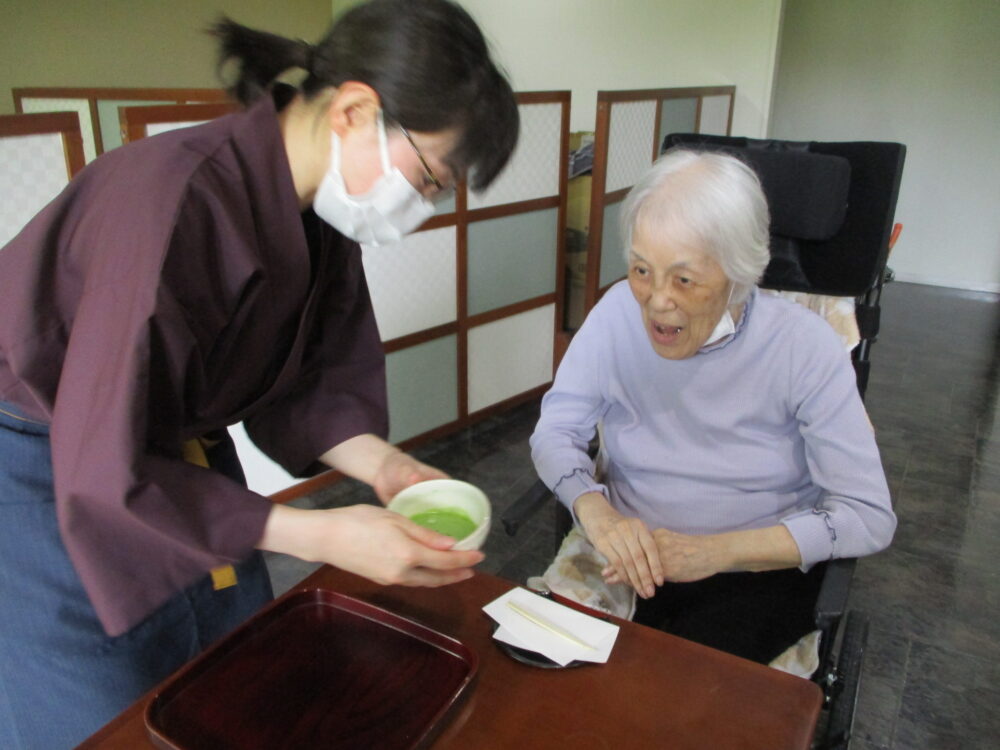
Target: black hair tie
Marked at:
308, 55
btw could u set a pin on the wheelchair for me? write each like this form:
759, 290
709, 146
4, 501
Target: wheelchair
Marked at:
832, 228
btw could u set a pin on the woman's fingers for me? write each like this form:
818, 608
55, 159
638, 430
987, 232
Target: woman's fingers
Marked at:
632, 552
637, 564
628, 545
400, 470
423, 535
387, 548
433, 550
652, 552
434, 578
634, 565
645, 554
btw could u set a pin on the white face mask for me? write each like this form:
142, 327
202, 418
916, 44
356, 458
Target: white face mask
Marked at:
389, 210
726, 325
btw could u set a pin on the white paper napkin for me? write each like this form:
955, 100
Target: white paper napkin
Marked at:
520, 631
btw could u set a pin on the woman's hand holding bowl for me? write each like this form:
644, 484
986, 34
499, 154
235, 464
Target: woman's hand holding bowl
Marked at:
369, 541
400, 470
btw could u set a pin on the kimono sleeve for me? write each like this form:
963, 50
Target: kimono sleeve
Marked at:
341, 390
138, 521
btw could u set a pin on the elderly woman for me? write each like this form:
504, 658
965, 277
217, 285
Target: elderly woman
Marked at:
734, 440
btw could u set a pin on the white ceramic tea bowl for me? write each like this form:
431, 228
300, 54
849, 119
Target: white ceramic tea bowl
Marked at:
447, 493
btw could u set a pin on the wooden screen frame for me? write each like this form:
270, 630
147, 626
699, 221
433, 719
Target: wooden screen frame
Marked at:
66, 124
135, 120
94, 94
461, 218
599, 199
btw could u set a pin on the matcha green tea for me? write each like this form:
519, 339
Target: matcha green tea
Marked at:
454, 522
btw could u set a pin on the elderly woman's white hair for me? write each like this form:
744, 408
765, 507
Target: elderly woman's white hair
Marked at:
709, 199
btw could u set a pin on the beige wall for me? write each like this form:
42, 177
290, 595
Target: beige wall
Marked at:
588, 45
131, 42
925, 73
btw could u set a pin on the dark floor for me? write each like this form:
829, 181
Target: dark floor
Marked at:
932, 674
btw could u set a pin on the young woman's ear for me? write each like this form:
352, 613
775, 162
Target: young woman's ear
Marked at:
353, 107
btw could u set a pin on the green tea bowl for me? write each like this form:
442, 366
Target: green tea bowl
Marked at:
449, 506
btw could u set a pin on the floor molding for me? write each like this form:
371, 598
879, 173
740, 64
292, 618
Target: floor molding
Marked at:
918, 278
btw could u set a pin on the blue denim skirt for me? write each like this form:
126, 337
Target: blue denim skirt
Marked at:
61, 677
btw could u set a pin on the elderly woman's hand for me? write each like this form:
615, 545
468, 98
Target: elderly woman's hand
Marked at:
686, 557
627, 543
690, 558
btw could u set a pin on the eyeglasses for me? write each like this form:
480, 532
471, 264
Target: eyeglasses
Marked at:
438, 185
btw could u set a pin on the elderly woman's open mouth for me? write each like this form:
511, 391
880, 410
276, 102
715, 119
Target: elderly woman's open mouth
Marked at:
663, 333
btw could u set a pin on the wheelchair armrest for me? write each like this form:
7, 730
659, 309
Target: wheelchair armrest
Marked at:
832, 600
525, 507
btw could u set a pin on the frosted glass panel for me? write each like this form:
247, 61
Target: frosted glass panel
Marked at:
630, 143
511, 259
677, 116
533, 170
510, 356
32, 173
82, 109
412, 283
445, 205
155, 128
423, 387
714, 115
613, 266
107, 113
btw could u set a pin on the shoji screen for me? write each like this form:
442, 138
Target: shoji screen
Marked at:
630, 127
468, 306
98, 108
39, 154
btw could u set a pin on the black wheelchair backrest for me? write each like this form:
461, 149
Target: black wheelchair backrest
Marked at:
832, 207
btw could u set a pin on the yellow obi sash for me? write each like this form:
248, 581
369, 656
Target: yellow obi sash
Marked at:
194, 453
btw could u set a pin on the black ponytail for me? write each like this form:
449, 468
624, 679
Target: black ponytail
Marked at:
426, 59
261, 57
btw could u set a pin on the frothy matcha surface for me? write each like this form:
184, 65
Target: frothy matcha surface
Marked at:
454, 522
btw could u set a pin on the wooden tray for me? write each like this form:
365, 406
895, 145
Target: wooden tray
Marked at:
315, 669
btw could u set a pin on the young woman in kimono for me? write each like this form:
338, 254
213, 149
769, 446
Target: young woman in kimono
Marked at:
199, 278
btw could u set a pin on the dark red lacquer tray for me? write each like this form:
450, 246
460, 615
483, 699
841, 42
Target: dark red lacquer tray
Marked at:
315, 670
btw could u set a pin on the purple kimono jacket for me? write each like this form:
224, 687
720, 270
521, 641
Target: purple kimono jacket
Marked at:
175, 287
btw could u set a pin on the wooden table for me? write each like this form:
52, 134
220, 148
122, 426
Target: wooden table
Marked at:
656, 691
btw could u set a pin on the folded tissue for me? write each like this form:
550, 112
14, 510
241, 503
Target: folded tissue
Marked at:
560, 633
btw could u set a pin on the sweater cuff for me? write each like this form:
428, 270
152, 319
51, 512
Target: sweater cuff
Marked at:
571, 486
813, 534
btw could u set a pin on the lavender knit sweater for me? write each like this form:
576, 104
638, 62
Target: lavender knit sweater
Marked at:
765, 427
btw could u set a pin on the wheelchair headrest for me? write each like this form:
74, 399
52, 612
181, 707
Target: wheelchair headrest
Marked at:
806, 192
832, 206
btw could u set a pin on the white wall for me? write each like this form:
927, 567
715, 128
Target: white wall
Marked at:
925, 73
589, 45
